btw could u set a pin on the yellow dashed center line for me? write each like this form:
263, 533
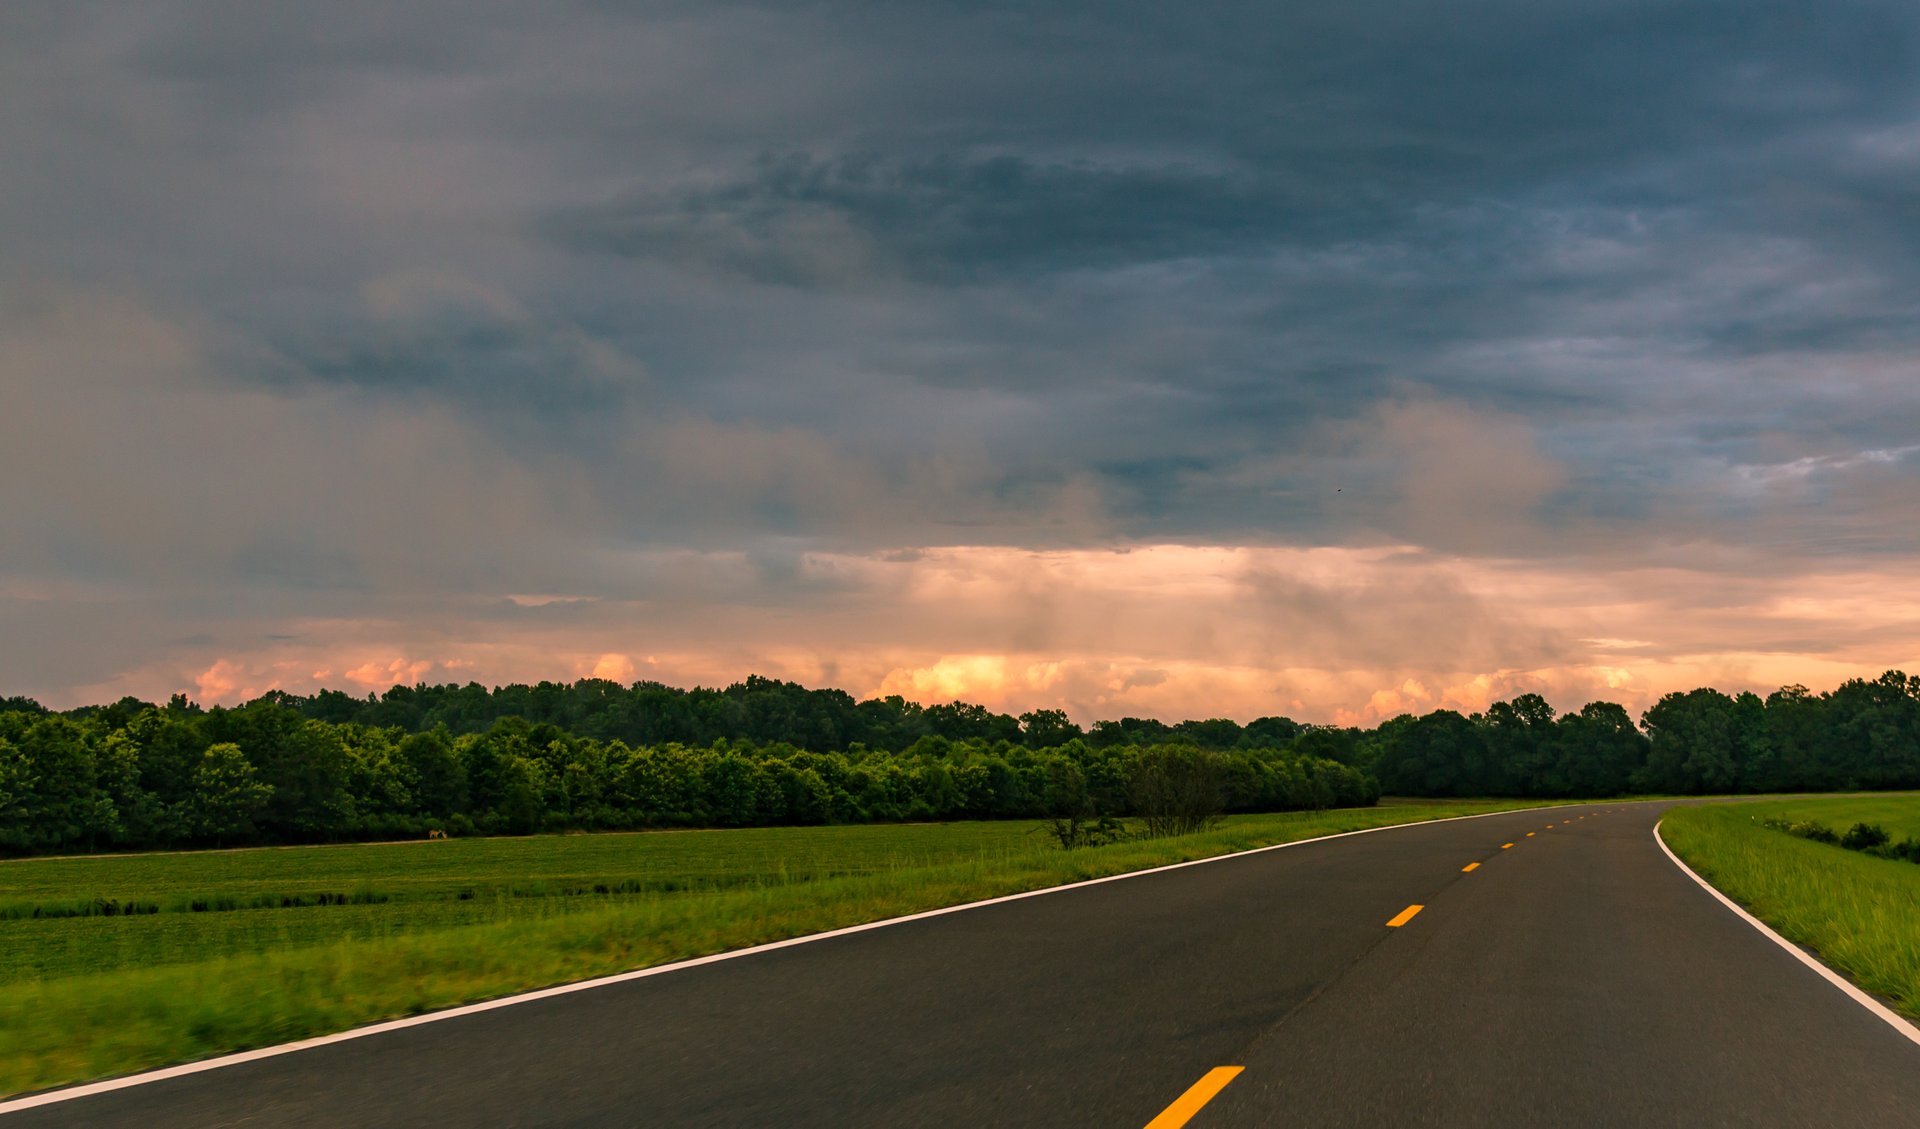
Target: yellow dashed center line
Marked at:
1470, 868
1404, 916
1504, 846
1531, 834
1197, 1095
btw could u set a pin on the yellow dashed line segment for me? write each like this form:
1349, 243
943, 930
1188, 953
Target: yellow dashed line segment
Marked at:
1470, 868
1197, 1095
1404, 916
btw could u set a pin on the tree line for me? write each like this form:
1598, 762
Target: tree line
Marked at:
137, 775
1864, 735
592, 754
759, 710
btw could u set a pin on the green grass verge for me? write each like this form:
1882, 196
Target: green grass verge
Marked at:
136, 992
1859, 914
410, 887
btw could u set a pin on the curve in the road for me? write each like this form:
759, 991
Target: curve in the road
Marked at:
161, 1074
1886, 1014
1572, 978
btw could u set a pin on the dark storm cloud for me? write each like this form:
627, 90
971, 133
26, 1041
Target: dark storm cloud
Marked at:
798, 220
365, 311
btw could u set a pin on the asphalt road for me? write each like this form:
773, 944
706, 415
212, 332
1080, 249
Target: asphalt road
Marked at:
1575, 979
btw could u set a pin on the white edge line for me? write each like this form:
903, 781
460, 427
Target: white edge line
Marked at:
87, 1090
1892, 1018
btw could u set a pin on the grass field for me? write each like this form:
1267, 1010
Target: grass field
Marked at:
411, 927
1858, 913
410, 887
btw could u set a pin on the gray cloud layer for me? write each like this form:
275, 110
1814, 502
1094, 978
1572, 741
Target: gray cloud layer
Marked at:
359, 313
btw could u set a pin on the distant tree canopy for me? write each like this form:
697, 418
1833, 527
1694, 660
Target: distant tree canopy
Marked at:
287, 769
1864, 735
759, 710
593, 754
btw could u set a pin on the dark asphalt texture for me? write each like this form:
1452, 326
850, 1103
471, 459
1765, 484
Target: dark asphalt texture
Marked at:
1578, 979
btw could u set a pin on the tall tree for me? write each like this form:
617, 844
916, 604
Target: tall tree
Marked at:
228, 794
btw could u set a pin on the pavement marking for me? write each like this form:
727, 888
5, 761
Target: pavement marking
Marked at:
1505, 846
1879, 1009
1470, 868
1197, 1095
88, 1089
1404, 916
1531, 834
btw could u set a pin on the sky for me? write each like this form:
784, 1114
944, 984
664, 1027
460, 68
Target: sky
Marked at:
1212, 359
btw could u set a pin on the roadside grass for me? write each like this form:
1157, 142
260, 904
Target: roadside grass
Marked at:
257, 900
1898, 812
1858, 913
157, 1000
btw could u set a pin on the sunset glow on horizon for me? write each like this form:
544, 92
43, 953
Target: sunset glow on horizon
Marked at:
1351, 636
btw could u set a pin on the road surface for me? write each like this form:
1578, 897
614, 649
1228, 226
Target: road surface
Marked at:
1576, 978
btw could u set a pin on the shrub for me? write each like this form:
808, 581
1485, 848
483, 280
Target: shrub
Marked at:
1177, 789
1906, 849
1072, 831
1865, 836
1807, 829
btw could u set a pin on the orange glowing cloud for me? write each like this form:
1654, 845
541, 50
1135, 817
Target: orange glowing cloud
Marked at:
395, 672
614, 667
1352, 635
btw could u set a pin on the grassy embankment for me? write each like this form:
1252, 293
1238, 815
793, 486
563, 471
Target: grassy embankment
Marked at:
1858, 913
433, 924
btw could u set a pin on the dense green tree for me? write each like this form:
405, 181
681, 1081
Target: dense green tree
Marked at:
1440, 754
306, 765
165, 745
1694, 744
1269, 733
1213, 733
1874, 731
439, 778
62, 800
18, 831
1044, 729
1325, 741
1521, 753
1178, 789
228, 794
1599, 750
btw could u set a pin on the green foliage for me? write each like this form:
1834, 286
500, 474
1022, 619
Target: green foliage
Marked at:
1080, 831
594, 755
1805, 829
1869, 837
1865, 734
1178, 789
228, 793
265, 773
